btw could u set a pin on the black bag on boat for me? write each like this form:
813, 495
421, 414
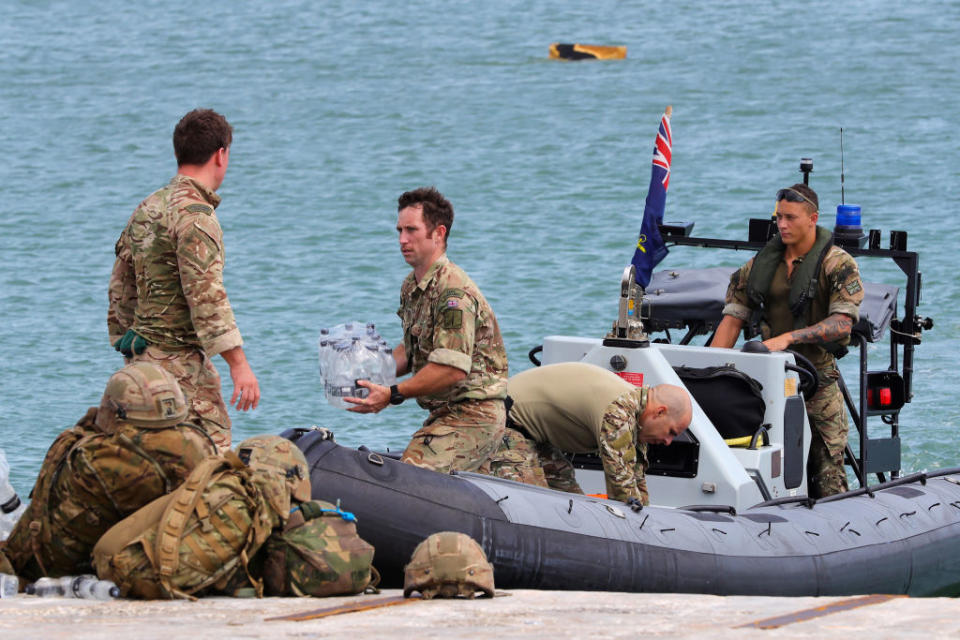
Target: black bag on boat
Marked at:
732, 400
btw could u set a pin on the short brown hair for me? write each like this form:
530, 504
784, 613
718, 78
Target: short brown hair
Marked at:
436, 209
800, 193
199, 135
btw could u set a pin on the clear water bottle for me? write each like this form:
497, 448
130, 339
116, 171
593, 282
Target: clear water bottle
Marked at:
323, 353
388, 365
70, 585
46, 588
90, 587
341, 382
11, 508
9, 585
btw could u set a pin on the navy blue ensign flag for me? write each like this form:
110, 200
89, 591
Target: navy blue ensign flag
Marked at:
650, 247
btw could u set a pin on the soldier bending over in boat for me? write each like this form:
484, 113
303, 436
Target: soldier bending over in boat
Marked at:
577, 407
168, 304
775, 283
451, 343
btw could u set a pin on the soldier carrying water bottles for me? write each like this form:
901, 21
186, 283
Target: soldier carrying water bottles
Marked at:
451, 344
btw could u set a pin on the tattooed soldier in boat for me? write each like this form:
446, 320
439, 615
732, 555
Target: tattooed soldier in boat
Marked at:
808, 294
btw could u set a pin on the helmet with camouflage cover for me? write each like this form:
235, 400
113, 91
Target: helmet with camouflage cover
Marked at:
446, 565
143, 394
275, 453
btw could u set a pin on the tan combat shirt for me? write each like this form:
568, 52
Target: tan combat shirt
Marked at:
564, 404
446, 320
167, 281
839, 290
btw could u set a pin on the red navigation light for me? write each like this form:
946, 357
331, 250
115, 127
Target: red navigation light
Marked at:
886, 397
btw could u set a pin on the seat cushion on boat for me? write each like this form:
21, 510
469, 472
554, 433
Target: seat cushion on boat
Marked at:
682, 298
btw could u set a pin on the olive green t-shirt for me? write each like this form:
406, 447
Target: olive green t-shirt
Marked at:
564, 403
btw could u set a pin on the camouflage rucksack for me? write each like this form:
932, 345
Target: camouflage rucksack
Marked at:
5, 566
318, 553
30, 548
92, 480
115, 460
196, 540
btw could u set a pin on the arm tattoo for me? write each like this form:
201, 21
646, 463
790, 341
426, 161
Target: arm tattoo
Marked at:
827, 330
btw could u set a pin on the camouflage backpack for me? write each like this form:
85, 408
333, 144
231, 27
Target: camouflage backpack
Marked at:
114, 461
318, 553
194, 540
30, 548
99, 480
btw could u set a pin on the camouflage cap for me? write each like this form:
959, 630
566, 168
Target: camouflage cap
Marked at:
143, 394
275, 453
446, 565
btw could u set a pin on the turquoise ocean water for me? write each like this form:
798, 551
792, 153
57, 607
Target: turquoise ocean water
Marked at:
340, 106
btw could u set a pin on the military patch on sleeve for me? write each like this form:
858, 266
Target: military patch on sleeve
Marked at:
451, 318
450, 299
452, 293
852, 287
198, 248
199, 208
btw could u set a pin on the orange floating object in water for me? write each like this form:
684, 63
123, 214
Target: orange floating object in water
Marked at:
560, 51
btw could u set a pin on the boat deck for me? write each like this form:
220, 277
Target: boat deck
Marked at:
515, 614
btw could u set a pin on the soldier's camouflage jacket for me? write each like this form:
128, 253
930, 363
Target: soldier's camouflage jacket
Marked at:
447, 320
167, 281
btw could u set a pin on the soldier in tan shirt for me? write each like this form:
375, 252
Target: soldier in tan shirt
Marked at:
576, 407
451, 344
168, 304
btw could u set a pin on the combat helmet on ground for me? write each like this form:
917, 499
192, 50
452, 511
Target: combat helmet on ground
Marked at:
275, 453
143, 394
446, 565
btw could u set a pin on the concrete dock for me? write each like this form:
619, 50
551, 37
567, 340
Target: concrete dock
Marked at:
513, 614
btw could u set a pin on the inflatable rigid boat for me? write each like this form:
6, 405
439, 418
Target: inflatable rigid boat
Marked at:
731, 515
899, 537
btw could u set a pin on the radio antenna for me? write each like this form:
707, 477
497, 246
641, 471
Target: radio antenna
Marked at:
842, 201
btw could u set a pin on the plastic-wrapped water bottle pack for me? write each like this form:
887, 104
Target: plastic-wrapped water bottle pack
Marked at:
11, 508
350, 352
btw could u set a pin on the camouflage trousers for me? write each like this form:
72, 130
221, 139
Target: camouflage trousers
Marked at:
826, 474
459, 436
522, 460
517, 458
542, 464
201, 385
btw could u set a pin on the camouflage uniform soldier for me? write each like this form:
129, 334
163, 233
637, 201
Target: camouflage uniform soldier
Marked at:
774, 283
168, 304
134, 448
577, 407
451, 343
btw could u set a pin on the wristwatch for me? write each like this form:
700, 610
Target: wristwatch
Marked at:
395, 396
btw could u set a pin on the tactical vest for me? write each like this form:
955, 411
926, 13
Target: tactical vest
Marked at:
198, 539
803, 288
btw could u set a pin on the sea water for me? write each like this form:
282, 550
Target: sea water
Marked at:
340, 106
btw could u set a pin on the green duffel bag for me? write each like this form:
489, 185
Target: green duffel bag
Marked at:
318, 553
